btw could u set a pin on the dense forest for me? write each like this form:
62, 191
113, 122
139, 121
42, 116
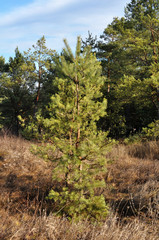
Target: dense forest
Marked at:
77, 105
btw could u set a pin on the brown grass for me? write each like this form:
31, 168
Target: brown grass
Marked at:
132, 191
25, 179
54, 228
145, 150
134, 180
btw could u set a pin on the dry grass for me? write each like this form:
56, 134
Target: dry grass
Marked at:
54, 228
24, 178
132, 190
145, 150
134, 180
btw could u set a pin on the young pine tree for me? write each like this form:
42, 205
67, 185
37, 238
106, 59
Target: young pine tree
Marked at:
72, 131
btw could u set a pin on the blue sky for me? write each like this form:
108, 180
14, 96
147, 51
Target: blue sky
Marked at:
23, 22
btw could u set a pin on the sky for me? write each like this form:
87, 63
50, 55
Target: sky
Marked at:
23, 22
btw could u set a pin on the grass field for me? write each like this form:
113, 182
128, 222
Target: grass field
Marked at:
132, 192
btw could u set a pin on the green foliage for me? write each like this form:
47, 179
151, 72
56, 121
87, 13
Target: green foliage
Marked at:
71, 128
40, 58
91, 42
136, 138
3, 65
16, 98
152, 131
25, 88
80, 207
129, 55
31, 126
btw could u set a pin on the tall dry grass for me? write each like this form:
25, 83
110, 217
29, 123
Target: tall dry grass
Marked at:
132, 192
134, 178
54, 228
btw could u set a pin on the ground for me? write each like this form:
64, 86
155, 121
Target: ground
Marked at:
132, 192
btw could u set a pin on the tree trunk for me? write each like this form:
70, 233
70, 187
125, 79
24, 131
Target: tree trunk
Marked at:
157, 105
78, 111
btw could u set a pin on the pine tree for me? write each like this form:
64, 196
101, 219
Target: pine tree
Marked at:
15, 93
40, 80
129, 55
72, 130
40, 57
90, 41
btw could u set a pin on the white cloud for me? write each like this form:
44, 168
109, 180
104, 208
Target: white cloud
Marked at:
33, 10
56, 20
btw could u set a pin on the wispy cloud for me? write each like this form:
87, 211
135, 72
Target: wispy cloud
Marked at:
32, 11
55, 19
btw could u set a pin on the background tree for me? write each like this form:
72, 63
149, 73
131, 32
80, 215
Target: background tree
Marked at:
41, 59
41, 77
90, 41
3, 65
71, 128
16, 97
128, 53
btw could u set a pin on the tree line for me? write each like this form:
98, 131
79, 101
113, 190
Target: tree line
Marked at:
128, 51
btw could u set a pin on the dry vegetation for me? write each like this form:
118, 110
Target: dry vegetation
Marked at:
132, 192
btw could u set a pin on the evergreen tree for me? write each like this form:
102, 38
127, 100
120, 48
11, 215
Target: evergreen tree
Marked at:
143, 42
71, 128
129, 53
41, 75
16, 97
3, 65
91, 42
40, 57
